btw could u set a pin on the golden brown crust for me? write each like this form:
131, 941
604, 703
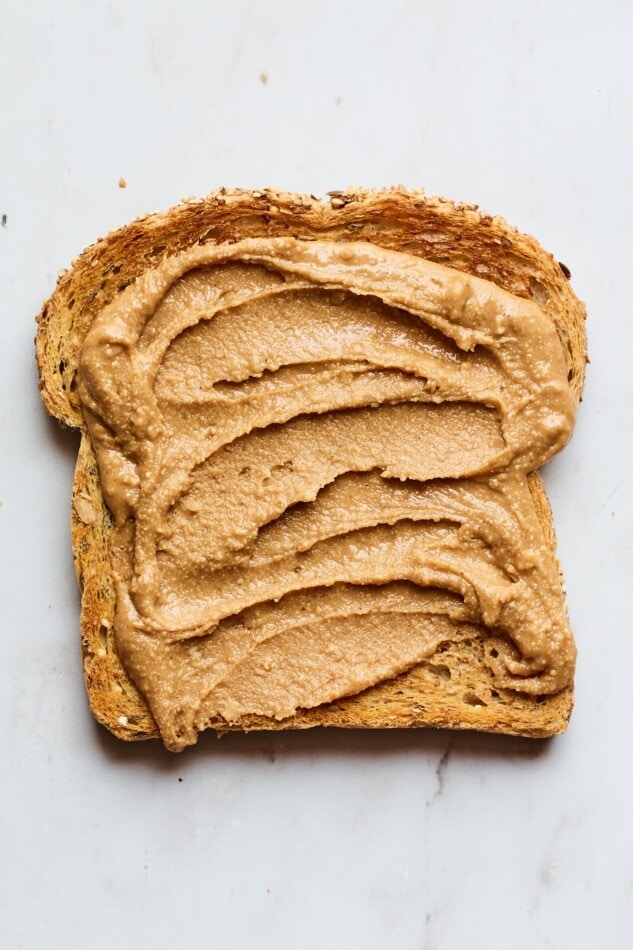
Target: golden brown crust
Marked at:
454, 689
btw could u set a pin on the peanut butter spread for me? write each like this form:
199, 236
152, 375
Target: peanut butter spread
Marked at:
315, 454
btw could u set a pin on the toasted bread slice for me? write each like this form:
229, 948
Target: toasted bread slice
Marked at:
453, 688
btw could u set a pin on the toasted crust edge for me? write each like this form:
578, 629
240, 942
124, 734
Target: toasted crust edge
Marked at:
455, 692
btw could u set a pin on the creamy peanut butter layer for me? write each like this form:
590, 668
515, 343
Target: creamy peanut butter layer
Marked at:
316, 456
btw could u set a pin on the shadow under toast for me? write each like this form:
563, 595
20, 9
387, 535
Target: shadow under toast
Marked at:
321, 743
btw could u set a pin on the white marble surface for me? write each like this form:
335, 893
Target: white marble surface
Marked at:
415, 841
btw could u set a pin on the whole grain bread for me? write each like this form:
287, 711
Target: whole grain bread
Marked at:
454, 688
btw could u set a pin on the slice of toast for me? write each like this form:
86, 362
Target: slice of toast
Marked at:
453, 687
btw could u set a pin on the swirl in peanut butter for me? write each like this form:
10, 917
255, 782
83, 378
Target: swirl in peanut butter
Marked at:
316, 455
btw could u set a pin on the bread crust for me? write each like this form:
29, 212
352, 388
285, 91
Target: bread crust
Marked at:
453, 689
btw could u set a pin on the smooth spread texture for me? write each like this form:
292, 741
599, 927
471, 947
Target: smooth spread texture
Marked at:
316, 457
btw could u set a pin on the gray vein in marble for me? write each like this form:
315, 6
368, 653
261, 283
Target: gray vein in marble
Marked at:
547, 877
429, 943
440, 773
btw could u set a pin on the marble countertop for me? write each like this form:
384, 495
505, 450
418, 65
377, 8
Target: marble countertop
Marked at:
408, 840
